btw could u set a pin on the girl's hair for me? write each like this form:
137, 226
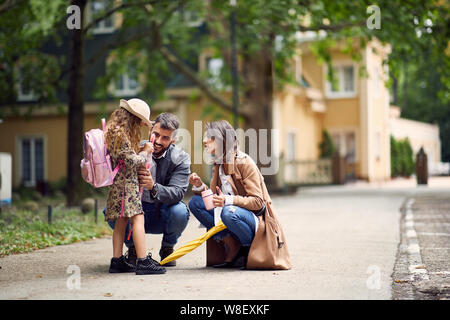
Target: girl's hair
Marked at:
123, 126
225, 137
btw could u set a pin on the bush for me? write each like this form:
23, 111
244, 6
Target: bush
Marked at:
402, 158
87, 205
327, 147
31, 206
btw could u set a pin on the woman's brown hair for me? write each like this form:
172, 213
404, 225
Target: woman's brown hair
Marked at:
123, 126
225, 137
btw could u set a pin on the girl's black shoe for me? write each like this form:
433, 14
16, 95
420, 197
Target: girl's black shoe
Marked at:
148, 266
119, 265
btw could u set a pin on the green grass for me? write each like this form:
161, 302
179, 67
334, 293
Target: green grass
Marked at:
23, 231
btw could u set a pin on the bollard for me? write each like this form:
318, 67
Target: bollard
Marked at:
422, 167
96, 211
49, 215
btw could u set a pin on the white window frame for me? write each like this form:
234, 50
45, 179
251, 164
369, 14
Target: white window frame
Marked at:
378, 144
126, 91
377, 82
32, 181
214, 79
341, 133
190, 21
21, 96
340, 77
290, 154
100, 27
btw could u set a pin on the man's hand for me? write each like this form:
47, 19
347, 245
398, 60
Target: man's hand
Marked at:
195, 180
145, 178
219, 198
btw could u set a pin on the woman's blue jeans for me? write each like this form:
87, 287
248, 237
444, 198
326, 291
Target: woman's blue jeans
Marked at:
240, 222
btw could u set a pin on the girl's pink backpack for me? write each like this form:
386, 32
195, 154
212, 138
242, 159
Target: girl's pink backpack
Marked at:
96, 167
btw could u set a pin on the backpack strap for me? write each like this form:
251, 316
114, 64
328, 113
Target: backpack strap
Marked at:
103, 124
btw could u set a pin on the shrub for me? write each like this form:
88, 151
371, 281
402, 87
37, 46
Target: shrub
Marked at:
402, 158
87, 205
327, 147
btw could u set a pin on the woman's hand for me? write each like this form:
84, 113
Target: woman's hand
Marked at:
219, 198
195, 180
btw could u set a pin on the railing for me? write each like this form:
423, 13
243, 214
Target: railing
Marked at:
303, 172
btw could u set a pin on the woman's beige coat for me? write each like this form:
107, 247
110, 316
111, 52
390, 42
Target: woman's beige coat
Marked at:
269, 249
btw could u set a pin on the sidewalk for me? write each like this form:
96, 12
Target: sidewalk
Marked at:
342, 245
434, 182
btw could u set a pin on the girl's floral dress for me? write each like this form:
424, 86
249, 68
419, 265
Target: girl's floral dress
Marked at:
126, 184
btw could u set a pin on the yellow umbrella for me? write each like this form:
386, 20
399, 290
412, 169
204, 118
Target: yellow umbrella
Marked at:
188, 247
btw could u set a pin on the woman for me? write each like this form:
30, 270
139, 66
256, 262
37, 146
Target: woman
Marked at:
243, 203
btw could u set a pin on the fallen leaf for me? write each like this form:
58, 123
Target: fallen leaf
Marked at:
39, 276
108, 294
400, 281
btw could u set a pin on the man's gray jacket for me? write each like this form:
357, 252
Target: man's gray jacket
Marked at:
172, 177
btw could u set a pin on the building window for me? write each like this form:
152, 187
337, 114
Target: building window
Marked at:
215, 66
378, 145
24, 91
291, 167
31, 155
345, 144
193, 19
107, 24
343, 84
377, 83
127, 83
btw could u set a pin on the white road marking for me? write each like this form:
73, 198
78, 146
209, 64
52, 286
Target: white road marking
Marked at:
437, 234
411, 233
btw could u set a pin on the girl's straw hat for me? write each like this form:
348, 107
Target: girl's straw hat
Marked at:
139, 108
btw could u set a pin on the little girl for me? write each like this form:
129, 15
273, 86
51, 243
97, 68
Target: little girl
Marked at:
123, 134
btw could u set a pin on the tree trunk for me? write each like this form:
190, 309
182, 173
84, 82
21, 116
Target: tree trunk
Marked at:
75, 117
258, 81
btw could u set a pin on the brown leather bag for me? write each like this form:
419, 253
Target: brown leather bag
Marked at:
215, 252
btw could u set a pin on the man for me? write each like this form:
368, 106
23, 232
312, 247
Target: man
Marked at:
163, 189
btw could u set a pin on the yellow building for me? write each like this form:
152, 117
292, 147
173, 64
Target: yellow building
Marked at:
354, 110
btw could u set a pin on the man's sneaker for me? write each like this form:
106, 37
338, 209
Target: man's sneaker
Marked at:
165, 252
119, 265
130, 256
148, 266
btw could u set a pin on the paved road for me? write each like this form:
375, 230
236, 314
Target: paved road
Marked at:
343, 243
